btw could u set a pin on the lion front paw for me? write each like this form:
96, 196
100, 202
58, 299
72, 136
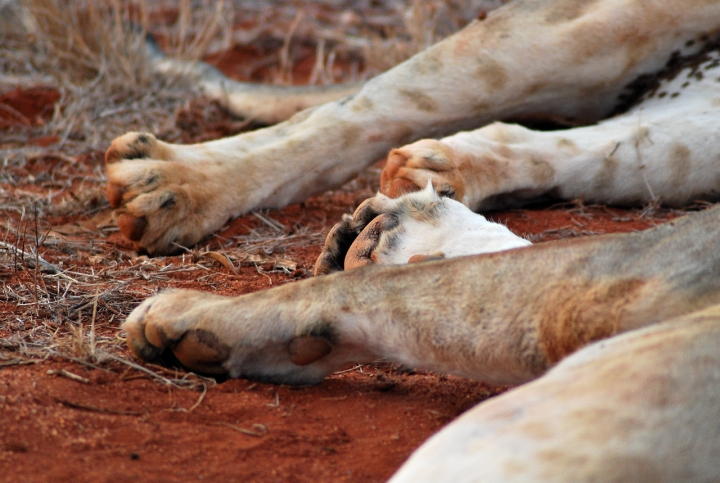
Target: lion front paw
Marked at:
137, 145
172, 323
410, 168
163, 204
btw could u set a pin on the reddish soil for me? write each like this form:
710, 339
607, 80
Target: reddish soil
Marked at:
255, 63
24, 107
116, 424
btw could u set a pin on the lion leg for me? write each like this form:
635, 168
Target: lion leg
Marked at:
169, 195
416, 227
503, 318
262, 103
664, 149
638, 407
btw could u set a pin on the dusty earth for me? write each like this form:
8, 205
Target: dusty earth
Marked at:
75, 407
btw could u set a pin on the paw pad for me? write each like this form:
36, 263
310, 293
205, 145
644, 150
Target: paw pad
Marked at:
132, 227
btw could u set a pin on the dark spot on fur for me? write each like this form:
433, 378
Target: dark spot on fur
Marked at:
541, 170
674, 94
428, 64
143, 139
578, 313
420, 100
568, 144
347, 99
168, 201
646, 85
362, 104
349, 133
679, 164
492, 73
606, 174
565, 11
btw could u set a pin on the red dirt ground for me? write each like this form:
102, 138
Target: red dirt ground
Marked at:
26, 107
118, 425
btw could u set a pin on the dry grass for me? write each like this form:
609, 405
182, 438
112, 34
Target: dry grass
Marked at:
93, 52
70, 310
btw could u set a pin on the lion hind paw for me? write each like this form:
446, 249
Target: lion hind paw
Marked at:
344, 235
375, 234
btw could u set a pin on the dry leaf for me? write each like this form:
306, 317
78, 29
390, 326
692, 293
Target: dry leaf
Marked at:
222, 260
67, 230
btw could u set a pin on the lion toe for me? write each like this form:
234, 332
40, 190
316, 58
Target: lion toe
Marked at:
409, 169
165, 327
136, 145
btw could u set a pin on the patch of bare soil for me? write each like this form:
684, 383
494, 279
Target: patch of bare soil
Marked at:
25, 107
73, 407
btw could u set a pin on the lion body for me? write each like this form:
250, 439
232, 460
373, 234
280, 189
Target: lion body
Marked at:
618, 333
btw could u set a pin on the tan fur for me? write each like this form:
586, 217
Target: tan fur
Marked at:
641, 407
577, 313
532, 305
561, 60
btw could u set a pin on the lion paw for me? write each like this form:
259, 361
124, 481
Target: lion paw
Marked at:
259, 336
352, 242
163, 204
170, 325
415, 227
410, 168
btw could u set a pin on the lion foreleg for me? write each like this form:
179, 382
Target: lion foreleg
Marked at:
503, 318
